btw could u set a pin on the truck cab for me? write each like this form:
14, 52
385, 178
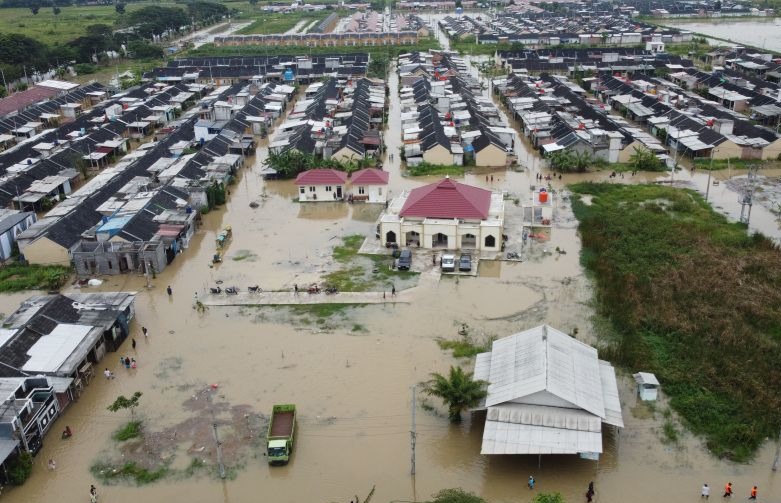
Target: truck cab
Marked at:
278, 452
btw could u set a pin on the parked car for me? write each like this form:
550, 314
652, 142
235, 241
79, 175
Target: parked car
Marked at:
465, 262
405, 260
448, 263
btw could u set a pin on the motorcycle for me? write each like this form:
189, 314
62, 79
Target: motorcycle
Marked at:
313, 289
330, 290
232, 290
513, 256
215, 290
254, 289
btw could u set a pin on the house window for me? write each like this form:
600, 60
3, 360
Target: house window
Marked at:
311, 188
301, 190
361, 190
328, 188
379, 191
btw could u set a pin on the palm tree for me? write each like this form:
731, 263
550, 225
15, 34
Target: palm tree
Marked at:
458, 391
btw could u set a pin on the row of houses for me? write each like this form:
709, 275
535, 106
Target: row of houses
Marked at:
580, 61
338, 119
322, 39
693, 126
50, 350
257, 70
554, 115
445, 118
584, 29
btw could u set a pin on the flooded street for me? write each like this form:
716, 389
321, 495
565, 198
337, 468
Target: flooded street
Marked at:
350, 373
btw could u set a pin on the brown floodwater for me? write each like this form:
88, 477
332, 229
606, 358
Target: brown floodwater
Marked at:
352, 386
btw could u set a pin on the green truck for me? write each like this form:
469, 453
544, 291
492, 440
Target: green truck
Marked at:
281, 429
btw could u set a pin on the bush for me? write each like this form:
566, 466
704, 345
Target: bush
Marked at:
85, 68
20, 469
457, 495
18, 277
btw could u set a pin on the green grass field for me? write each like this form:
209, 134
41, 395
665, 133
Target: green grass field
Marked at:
69, 24
275, 22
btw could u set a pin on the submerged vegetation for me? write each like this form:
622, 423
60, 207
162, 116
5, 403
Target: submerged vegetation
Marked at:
18, 277
694, 299
364, 273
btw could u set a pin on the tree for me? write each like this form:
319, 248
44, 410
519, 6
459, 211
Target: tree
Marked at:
253, 2
122, 403
120, 8
35, 6
20, 468
645, 160
456, 495
3, 92
458, 391
56, 10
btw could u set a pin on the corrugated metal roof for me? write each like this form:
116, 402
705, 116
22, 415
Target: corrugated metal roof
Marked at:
543, 432
610, 395
543, 358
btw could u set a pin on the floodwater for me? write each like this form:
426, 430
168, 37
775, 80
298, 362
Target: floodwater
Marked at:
353, 387
762, 33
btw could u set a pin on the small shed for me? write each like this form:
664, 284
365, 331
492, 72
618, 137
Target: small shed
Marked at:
647, 386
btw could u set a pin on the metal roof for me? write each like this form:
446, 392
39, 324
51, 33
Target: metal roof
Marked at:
548, 393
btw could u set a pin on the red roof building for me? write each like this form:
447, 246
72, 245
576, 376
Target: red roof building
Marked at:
321, 177
447, 199
370, 176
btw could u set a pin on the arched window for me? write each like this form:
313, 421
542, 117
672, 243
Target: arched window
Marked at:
490, 242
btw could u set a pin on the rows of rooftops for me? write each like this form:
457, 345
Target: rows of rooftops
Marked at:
156, 148
321, 39
585, 29
556, 113
336, 118
443, 106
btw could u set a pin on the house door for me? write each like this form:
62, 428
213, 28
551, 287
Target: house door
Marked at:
339, 192
440, 240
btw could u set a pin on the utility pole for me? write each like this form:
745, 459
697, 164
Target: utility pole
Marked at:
216, 435
413, 433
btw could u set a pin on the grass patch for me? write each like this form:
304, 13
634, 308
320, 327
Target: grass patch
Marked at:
720, 164
348, 249
426, 169
322, 310
130, 471
670, 432
364, 273
357, 327
694, 299
130, 430
17, 277
466, 346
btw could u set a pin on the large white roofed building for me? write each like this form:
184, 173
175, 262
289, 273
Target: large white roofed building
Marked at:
548, 393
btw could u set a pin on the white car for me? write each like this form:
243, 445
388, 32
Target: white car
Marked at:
448, 262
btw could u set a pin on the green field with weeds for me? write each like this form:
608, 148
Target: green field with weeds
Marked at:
693, 298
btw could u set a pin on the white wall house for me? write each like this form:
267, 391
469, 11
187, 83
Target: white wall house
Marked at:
321, 185
370, 185
12, 222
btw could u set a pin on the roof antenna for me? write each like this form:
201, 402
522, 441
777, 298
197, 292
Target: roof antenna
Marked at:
545, 332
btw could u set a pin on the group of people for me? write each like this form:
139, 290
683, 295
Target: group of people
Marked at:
540, 177
728, 491
129, 363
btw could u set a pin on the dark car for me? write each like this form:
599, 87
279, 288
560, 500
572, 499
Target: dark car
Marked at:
405, 260
465, 262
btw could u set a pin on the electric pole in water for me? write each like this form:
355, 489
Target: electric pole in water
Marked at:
413, 432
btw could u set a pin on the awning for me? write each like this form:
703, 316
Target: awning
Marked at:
7, 446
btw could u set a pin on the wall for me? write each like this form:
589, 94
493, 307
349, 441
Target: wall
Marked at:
46, 251
491, 156
438, 155
375, 193
320, 193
